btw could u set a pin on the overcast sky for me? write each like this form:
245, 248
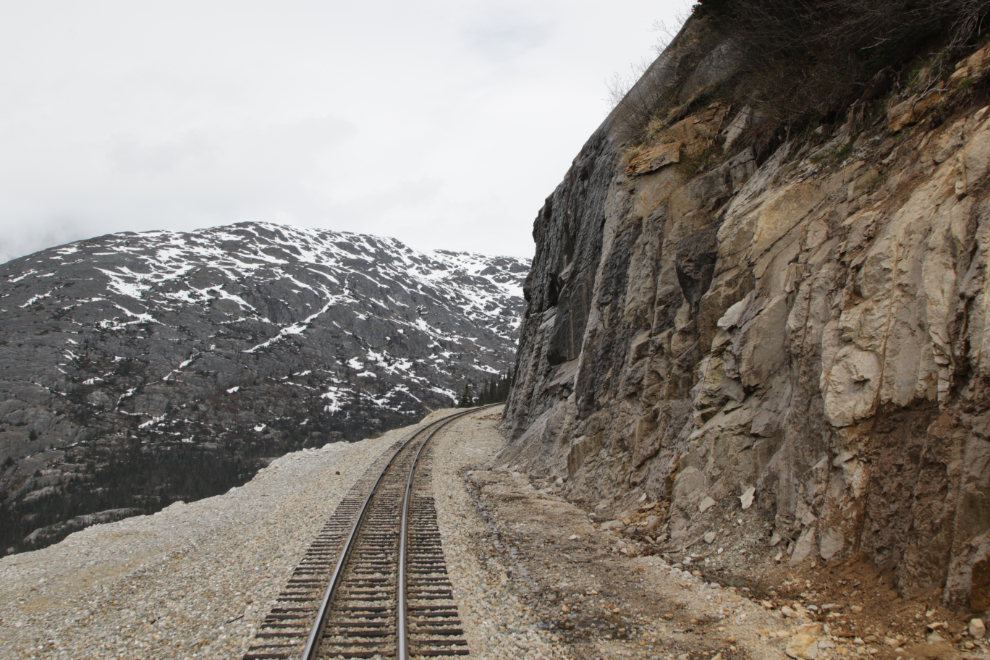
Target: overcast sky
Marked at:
442, 123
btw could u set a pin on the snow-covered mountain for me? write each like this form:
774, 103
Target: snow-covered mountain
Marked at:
137, 369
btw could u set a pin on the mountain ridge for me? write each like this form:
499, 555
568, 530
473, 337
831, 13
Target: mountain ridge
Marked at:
237, 343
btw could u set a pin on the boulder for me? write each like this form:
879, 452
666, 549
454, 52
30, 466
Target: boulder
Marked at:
653, 158
803, 644
746, 499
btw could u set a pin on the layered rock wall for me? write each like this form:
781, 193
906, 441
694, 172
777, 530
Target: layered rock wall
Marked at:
812, 324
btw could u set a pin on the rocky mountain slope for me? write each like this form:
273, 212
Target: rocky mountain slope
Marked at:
139, 369
776, 333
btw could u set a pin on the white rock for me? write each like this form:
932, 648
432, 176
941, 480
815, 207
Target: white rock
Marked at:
977, 629
706, 504
710, 538
746, 499
804, 547
732, 315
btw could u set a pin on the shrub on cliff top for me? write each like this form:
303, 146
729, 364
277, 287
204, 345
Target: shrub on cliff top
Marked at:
798, 63
871, 29
819, 55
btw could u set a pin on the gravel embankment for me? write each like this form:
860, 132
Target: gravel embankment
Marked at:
496, 623
534, 579
192, 581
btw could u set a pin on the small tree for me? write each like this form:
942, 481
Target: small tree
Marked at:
497, 389
467, 399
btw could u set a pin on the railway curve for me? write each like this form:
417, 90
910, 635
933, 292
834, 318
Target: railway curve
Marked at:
373, 582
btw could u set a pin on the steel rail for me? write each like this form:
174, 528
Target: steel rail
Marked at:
402, 647
316, 633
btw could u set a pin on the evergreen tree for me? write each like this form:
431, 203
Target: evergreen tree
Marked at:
496, 390
467, 399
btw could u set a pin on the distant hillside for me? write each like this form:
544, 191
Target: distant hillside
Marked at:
138, 369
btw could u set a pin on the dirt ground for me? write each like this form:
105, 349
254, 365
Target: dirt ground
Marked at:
603, 594
860, 600
599, 603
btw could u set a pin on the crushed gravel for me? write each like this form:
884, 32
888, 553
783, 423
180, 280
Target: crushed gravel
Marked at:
191, 581
497, 623
535, 579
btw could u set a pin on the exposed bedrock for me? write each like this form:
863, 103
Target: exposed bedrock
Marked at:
809, 325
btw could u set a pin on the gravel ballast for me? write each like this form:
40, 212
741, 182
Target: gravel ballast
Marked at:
497, 623
191, 581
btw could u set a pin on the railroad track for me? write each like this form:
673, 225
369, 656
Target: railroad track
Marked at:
373, 583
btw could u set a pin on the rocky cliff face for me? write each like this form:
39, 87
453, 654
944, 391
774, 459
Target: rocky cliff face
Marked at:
784, 346
137, 369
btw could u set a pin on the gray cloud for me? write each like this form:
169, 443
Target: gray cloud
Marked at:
442, 123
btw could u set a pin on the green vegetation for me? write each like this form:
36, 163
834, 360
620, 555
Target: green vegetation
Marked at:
801, 63
835, 156
807, 56
496, 390
131, 477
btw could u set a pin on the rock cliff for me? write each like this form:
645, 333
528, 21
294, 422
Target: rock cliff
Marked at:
138, 369
779, 338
